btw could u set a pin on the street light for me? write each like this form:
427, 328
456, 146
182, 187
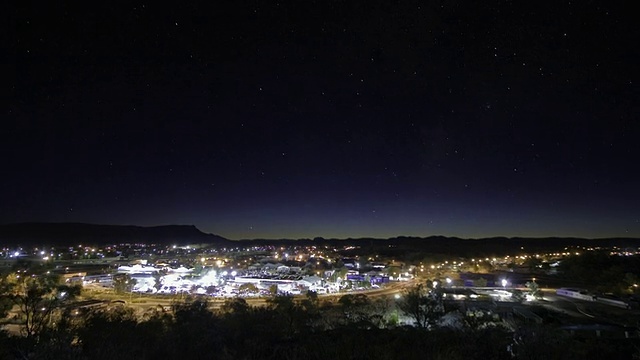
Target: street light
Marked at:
504, 283
130, 291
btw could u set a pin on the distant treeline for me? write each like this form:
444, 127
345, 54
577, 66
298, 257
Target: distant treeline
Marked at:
73, 234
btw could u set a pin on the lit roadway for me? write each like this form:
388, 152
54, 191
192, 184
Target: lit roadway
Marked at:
149, 302
595, 312
592, 312
145, 303
573, 307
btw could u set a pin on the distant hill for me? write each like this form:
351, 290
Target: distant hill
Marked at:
457, 246
78, 233
62, 234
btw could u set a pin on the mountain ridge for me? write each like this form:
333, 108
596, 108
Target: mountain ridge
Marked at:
58, 234
71, 233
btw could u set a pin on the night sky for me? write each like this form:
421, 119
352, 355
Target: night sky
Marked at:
327, 118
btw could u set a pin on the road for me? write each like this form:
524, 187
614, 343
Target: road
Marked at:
592, 311
582, 310
149, 302
573, 307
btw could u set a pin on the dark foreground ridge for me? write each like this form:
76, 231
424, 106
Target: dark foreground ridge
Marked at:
92, 234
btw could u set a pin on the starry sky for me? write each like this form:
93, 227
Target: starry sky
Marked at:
267, 119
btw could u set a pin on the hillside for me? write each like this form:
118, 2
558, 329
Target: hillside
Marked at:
62, 234
78, 233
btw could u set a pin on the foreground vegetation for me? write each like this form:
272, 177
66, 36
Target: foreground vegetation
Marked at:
48, 324
355, 328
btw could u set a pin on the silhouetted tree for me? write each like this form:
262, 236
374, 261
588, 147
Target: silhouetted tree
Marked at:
157, 278
248, 289
425, 307
235, 306
37, 297
110, 334
534, 289
123, 283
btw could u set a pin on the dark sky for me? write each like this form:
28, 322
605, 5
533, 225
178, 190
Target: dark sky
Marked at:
325, 118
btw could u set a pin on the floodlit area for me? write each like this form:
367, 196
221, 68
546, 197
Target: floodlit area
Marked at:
151, 280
